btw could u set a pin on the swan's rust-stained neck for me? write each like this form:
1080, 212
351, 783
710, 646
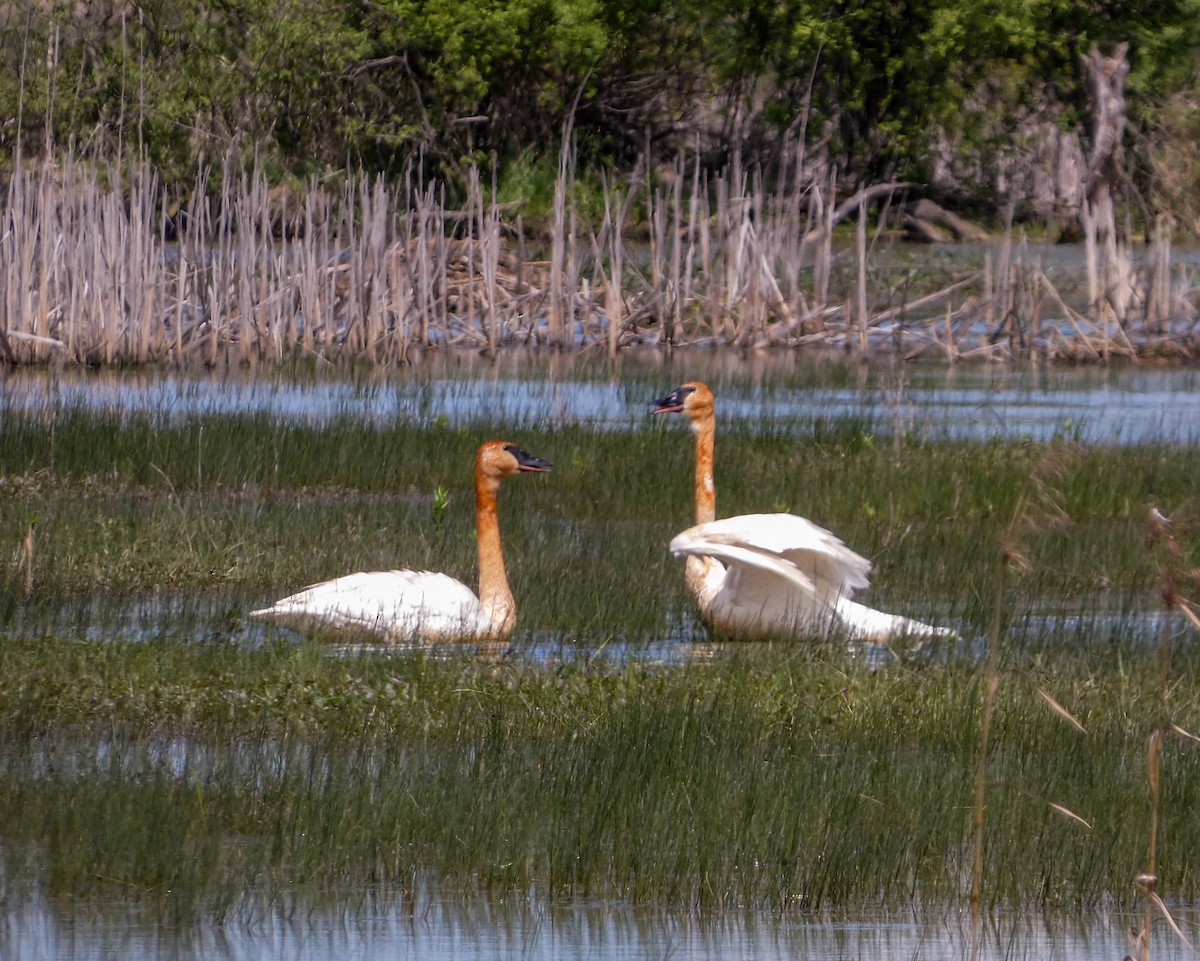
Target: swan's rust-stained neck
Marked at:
705, 429
494, 593
495, 461
695, 401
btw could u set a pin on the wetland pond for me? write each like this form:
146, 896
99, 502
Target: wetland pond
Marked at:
1088, 404
529, 931
579, 411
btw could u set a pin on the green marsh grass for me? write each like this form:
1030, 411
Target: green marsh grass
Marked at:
767, 777
781, 776
130, 504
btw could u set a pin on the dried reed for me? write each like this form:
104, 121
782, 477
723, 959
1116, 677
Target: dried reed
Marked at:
1173, 573
370, 269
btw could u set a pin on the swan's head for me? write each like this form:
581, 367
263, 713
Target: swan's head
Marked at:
499, 458
694, 400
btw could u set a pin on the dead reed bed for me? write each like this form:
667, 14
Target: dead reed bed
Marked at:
106, 265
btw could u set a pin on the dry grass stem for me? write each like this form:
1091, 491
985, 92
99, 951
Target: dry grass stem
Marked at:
1069, 814
1061, 711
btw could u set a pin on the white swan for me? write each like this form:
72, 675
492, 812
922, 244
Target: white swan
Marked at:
766, 575
420, 605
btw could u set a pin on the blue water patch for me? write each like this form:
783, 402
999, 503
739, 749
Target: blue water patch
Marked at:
1096, 406
533, 928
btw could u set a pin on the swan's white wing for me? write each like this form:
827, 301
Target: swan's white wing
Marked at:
403, 605
787, 575
832, 569
758, 592
779, 572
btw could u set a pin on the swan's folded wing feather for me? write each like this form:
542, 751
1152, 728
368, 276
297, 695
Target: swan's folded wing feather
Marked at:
832, 568
761, 593
764, 593
401, 604
763, 564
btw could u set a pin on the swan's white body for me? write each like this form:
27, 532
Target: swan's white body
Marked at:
771, 575
402, 606
408, 606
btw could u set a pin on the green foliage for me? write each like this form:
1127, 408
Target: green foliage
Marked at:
441, 500
494, 75
528, 182
472, 52
310, 85
190, 78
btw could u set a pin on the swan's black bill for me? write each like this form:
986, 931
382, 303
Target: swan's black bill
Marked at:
673, 402
527, 461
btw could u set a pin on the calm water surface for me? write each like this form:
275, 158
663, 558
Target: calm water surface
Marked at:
530, 931
1126, 406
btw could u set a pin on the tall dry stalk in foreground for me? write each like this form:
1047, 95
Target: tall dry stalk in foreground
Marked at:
610, 247
556, 320
1010, 555
25, 560
1035, 509
1174, 576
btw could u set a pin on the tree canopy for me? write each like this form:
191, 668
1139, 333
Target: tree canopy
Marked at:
311, 85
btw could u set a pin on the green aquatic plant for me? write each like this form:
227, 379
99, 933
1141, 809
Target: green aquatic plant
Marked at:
126, 506
441, 500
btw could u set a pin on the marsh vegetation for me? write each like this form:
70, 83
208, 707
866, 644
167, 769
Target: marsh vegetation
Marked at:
348, 188
111, 266
612, 750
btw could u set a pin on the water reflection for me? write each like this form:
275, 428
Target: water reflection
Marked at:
218, 617
1119, 406
527, 929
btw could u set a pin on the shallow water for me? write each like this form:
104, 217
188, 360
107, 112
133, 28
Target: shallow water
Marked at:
1091, 405
532, 931
218, 617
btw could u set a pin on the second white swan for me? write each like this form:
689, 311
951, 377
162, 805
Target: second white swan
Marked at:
770, 575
